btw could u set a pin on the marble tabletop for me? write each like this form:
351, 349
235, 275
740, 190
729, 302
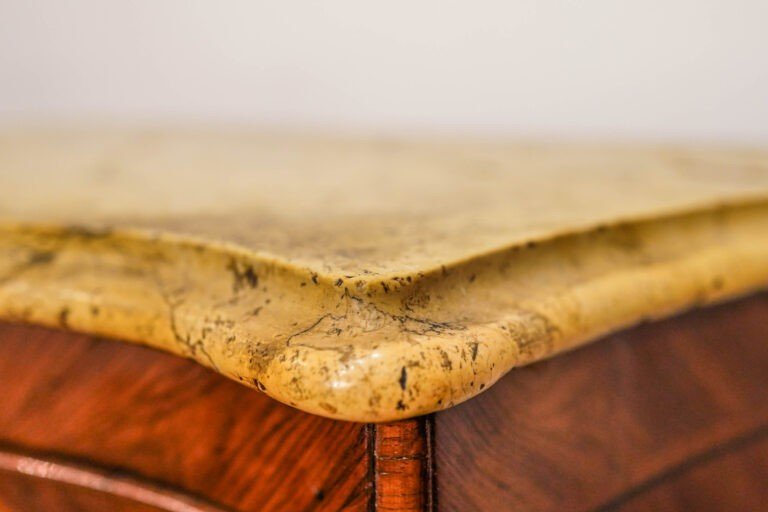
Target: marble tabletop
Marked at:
367, 278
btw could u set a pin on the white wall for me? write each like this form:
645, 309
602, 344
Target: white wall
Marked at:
682, 69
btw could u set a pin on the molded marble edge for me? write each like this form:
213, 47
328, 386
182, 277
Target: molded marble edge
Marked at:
378, 348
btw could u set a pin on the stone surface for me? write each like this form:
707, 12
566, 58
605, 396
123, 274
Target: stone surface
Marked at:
367, 279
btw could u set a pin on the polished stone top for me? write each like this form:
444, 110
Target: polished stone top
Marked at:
367, 279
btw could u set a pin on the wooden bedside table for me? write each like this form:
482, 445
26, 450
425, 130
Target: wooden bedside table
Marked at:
372, 286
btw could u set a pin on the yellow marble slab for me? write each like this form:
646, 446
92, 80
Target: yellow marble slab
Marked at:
367, 279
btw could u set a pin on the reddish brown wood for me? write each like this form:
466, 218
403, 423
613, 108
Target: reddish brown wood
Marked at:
39, 482
666, 416
163, 419
28, 494
731, 477
403, 465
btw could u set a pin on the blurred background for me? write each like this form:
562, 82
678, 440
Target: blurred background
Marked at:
677, 70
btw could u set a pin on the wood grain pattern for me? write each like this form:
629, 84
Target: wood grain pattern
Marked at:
403, 466
30, 481
667, 416
164, 419
19, 493
729, 477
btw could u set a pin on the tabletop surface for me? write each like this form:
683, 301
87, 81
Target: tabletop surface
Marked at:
367, 279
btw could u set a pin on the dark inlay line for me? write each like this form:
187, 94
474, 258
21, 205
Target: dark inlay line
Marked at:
370, 441
118, 483
430, 476
731, 445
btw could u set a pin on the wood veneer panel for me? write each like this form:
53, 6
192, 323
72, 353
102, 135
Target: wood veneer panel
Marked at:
729, 477
20, 493
37, 481
27, 494
165, 419
619, 418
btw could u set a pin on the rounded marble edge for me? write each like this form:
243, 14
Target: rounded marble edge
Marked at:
374, 351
